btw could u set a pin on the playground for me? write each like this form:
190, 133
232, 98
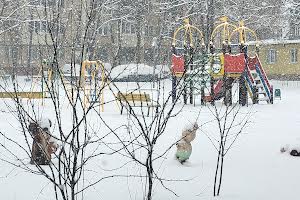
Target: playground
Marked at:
222, 74
213, 73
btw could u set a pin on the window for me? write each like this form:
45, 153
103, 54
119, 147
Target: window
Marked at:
45, 2
37, 2
38, 26
296, 30
294, 55
103, 29
13, 53
168, 31
271, 56
35, 53
52, 27
128, 28
149, 31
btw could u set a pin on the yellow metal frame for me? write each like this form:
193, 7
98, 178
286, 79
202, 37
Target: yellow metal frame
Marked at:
188, 29
242, 30
233, 75
249, 91
224, 29
98, 65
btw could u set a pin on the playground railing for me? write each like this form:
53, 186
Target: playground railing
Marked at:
249, 76
250, 80
263, 77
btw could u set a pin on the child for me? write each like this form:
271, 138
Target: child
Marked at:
184, 147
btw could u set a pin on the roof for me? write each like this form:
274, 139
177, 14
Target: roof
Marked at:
274, 42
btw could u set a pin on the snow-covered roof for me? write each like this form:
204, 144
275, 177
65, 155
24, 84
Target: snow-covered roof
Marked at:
274, 41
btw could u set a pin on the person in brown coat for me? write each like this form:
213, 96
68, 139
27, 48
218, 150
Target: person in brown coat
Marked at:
42, 146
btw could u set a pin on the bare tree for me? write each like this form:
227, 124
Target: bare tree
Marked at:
68, 170
229, 123
80, 143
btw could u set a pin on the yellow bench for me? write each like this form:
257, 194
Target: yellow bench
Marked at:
136, 100
29, 95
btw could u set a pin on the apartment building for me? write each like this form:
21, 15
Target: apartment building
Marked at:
39, 30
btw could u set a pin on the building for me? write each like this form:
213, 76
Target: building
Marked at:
280, 58
55, 31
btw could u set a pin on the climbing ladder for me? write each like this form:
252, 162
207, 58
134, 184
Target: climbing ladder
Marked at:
251, 85
258, 81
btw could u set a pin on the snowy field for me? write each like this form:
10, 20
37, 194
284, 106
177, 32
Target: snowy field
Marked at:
254, 167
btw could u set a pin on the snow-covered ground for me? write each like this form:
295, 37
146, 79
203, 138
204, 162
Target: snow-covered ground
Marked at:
121, 71
254, 168
124, 70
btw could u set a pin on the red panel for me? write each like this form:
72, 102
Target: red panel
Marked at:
177, 64
251, 62
234, 63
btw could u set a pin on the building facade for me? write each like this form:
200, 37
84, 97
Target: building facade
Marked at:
280, 58
48, 30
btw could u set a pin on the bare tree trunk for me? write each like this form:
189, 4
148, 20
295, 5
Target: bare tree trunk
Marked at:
217, 171
138, 53
209, 20
149, 164
116, 57
30, 45
221, 171
228, 124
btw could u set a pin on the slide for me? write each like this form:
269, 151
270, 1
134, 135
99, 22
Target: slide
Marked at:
219, 90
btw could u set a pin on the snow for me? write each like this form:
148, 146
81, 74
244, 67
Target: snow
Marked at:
190, 126
45, 123
121, 71
254, 168
67, 68
274, 41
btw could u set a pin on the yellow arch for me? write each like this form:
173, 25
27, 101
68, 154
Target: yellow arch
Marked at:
242, 30
188, 28
223, 28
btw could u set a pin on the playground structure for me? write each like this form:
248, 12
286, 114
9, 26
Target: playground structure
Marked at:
217, 69
49, 79
91, 84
